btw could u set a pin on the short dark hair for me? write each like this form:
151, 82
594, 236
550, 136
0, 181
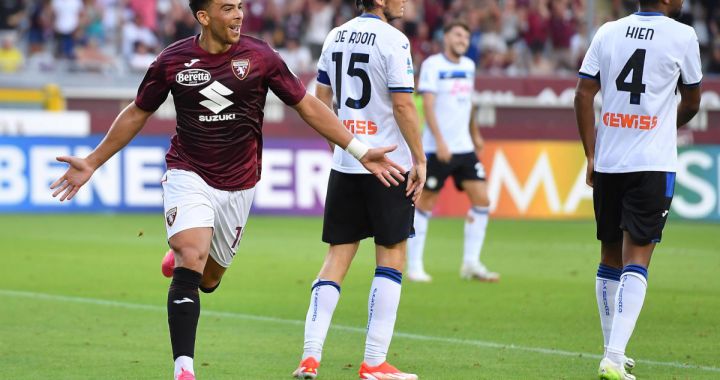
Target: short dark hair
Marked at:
456, 23
365, 5
198, 5
648, 2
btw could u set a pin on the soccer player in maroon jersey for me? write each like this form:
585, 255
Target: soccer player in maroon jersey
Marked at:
219, 81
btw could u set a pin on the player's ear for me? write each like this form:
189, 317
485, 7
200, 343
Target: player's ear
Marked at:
203, 17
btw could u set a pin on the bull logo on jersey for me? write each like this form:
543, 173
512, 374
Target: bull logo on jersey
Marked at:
170, 216
241, 68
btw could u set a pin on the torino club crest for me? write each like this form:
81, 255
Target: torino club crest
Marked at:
170, 216
241, 68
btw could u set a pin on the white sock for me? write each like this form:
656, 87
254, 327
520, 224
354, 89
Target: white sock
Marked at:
324, 296
606, 284
183, 363
416, 244
382, 311
475, 226
628, 303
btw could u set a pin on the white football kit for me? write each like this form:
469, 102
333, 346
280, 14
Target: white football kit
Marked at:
639, 60
453, 85
364, 60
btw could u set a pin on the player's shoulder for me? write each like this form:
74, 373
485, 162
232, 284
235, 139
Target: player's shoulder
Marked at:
179, 47
467, 63
684, 30
391, 37
256, 44
607, 28
432, 61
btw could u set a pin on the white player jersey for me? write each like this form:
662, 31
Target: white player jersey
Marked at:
453, 84
638, 60
364, 60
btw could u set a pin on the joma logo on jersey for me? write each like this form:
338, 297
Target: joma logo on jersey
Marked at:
360, 127
192, 77
624, 120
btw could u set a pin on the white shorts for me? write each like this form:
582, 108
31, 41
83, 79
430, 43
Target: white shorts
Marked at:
189, 202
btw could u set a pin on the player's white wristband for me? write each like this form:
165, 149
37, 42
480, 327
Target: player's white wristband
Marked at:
357, 149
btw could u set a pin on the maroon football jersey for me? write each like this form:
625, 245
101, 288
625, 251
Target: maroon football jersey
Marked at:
219, 100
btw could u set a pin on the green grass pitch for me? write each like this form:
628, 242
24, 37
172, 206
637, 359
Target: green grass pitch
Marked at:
82, 297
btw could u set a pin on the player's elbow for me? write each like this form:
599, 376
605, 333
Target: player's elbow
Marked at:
582, 96
403, 107
692, 107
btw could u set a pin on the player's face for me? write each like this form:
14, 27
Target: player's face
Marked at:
457, 41
394, 9
224, 19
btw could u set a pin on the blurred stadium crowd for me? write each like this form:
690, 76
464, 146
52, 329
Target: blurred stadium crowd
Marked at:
509, 37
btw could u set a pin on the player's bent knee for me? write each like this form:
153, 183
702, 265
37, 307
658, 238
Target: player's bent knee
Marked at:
190, 256
209, 287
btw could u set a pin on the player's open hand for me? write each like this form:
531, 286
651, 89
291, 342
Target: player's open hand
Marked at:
77, 175
416, 181
386, 171
589, 171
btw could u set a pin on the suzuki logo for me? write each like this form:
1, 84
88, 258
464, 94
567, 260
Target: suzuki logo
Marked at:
216, 101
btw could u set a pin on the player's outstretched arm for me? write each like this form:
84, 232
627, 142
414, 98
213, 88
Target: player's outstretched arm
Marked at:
128, 123
324, 121
407, 119
324, 94
585, 117
689, 103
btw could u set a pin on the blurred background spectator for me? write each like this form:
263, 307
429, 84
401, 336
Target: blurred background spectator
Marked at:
508, 37
11, 58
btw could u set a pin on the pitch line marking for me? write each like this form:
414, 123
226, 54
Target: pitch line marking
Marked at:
260, 318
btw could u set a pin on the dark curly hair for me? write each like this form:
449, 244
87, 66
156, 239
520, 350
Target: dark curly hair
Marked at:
198, 5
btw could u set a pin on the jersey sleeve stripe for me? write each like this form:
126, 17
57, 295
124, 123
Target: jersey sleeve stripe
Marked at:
402, 89
692, 84
588, 76
323, 78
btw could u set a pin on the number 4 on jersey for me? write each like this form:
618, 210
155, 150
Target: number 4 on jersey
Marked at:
635, 87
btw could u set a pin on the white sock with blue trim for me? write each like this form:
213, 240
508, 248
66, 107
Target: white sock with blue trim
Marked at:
382, 311
416, 244
606, 284
475, 226
628, 304
324, 296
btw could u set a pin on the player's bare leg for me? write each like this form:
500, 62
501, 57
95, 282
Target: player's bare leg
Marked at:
191, 249
475, 228
325, 293
212, 274
416, 244
337, 262
382, 311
